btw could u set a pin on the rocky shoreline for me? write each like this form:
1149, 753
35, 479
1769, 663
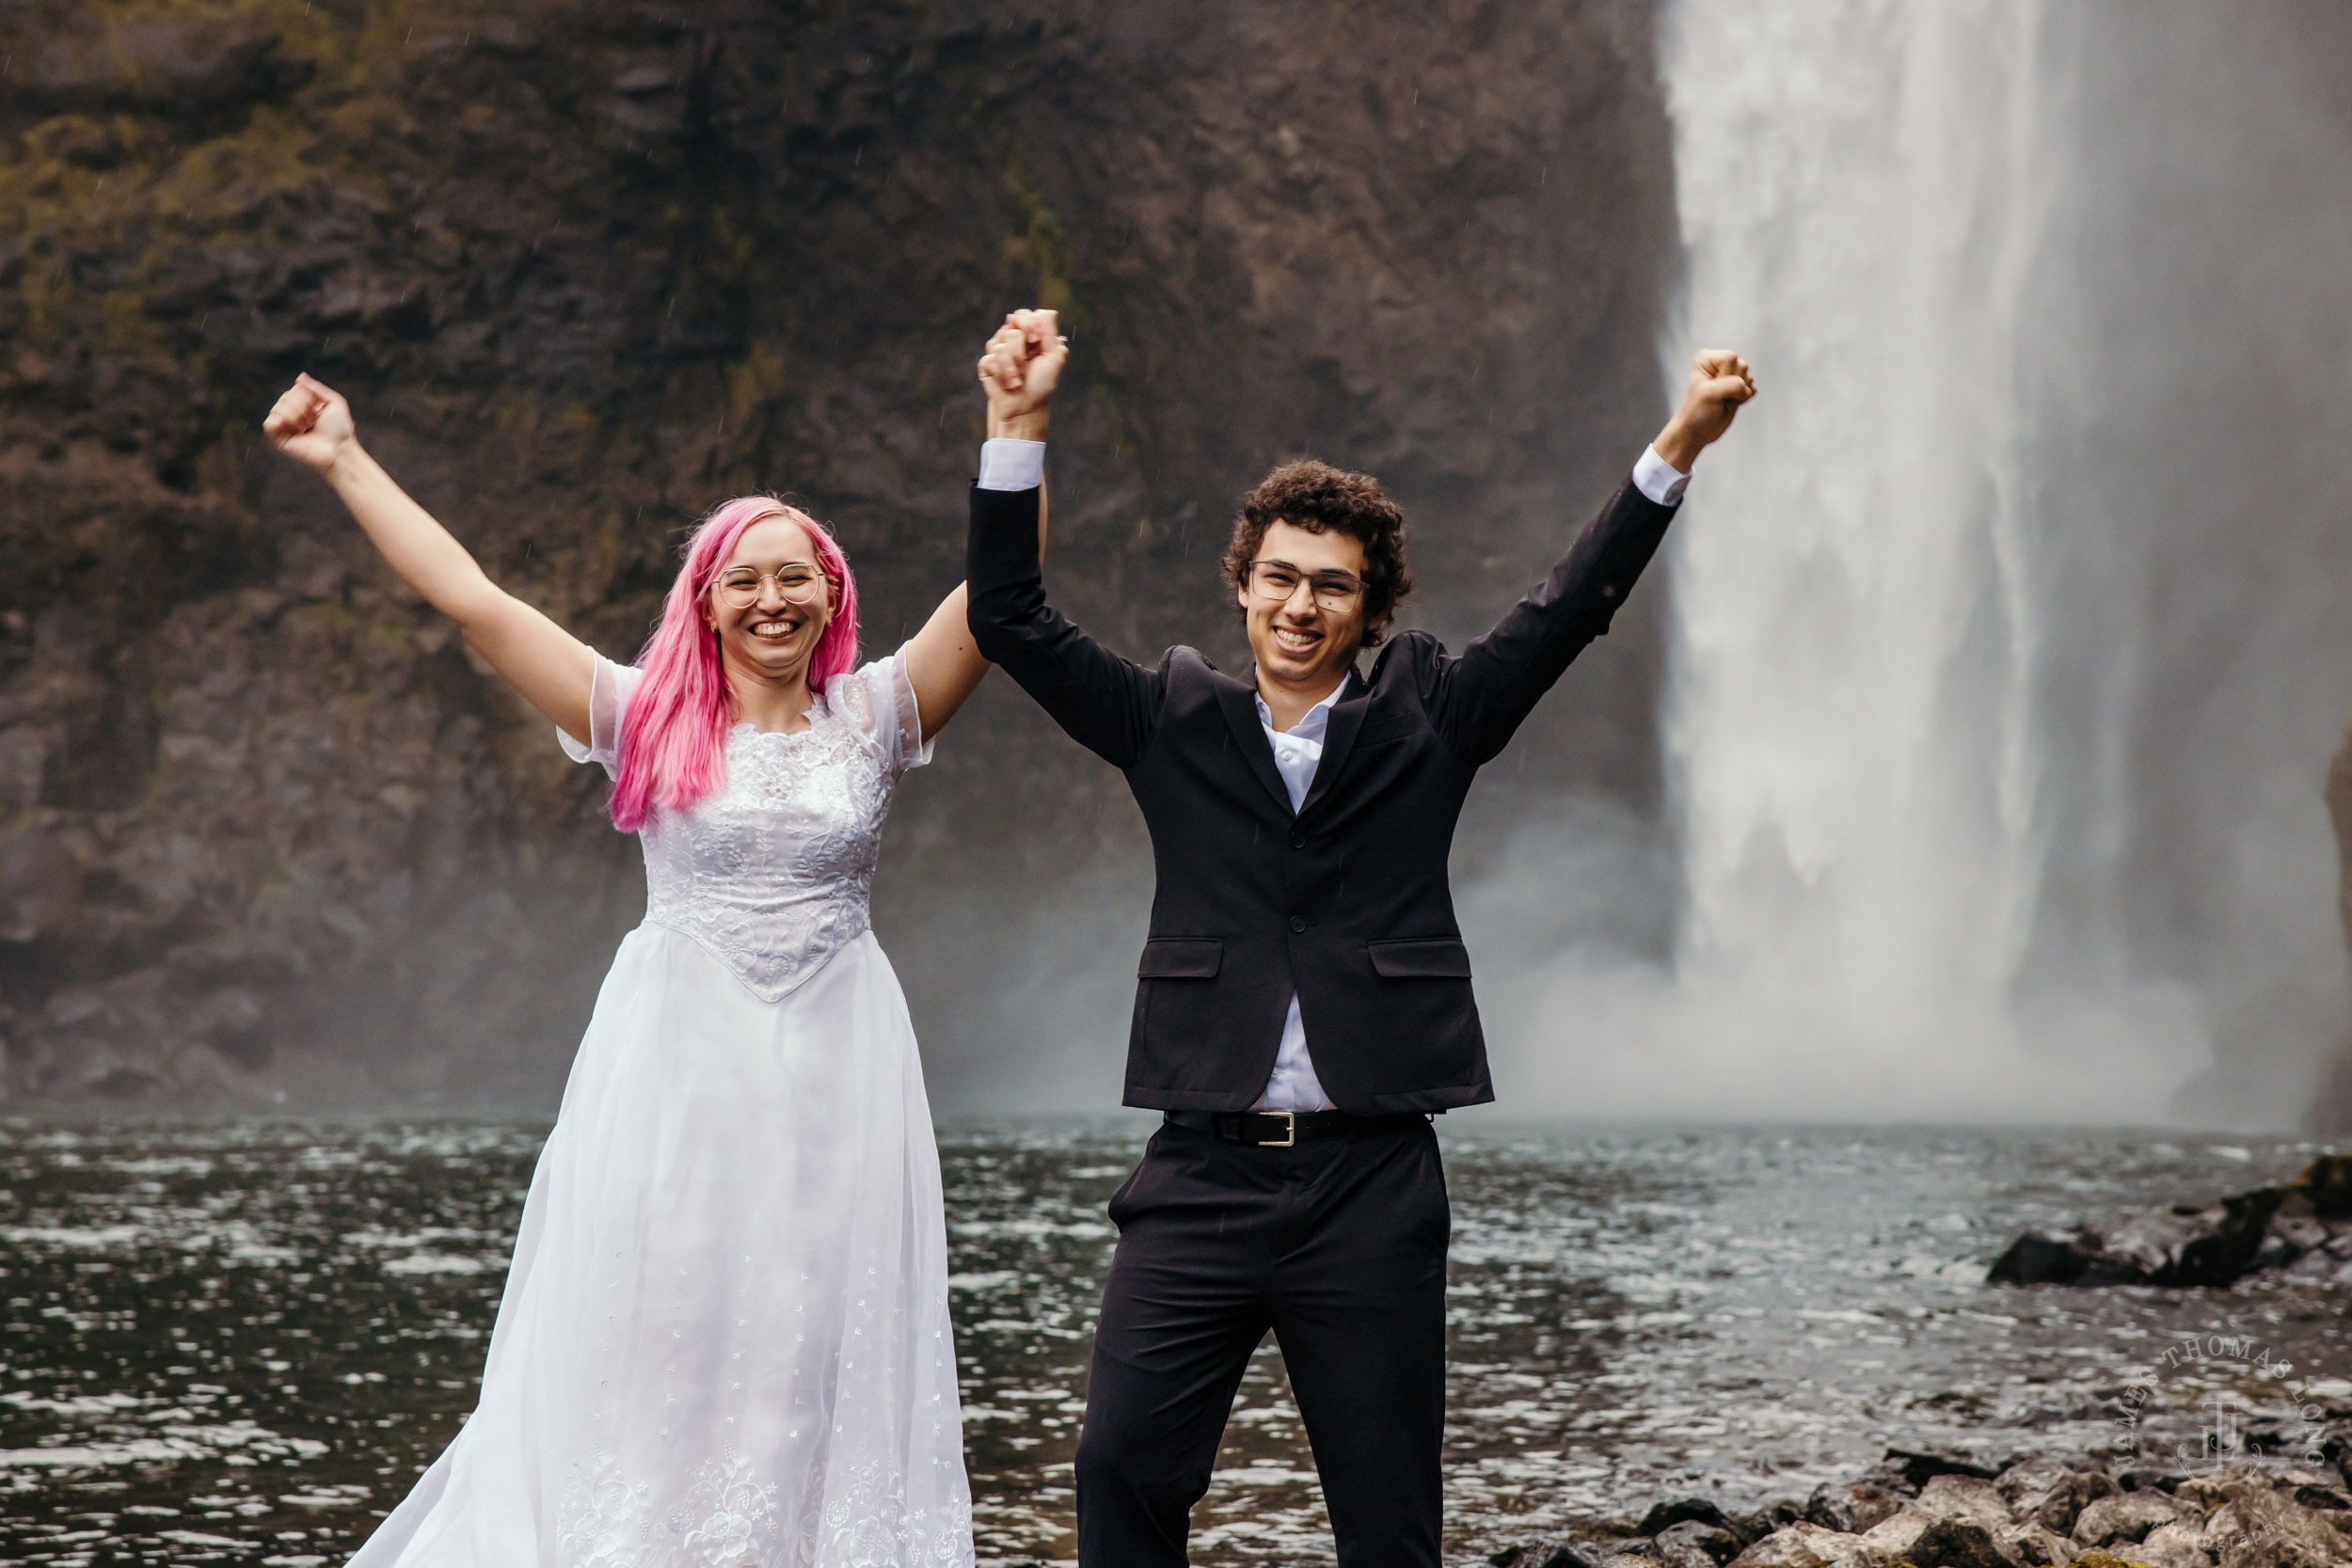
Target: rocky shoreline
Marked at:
1931, 1509
2302, 1229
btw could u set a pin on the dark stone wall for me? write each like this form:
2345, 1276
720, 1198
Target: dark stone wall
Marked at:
584, 270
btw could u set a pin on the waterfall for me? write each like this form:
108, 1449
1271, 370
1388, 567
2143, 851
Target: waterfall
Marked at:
1869, 198
1867, 192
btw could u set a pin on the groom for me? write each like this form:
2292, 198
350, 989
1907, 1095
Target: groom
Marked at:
1304, 997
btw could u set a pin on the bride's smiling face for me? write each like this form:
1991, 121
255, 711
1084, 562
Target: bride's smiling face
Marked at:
771, 602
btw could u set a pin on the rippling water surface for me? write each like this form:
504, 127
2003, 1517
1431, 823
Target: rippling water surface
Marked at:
238, 1341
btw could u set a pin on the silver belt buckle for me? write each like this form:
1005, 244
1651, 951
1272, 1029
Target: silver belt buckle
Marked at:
1290, 1124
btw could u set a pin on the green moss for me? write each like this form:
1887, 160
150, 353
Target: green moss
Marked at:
757, 379
1041, 246
732, 243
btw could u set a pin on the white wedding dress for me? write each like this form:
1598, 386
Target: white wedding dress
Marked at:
724, 1339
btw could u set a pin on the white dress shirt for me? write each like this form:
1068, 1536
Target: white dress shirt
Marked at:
1297, 751
1006, 463
1010, 465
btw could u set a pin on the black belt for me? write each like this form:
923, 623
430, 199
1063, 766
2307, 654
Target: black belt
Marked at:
1282, 1128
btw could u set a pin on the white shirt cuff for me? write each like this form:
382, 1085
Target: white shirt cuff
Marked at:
1010, 465
1655, 478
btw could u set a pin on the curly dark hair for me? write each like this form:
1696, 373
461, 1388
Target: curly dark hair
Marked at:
1316, 496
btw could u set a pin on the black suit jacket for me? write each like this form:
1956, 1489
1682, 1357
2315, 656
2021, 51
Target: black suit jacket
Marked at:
1345, 901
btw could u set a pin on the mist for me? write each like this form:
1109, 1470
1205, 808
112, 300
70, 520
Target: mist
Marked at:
2008, 629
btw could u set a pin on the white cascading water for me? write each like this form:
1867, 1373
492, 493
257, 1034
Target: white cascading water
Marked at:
1866, 191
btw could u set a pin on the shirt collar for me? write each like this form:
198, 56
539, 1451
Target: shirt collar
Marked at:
1317, 720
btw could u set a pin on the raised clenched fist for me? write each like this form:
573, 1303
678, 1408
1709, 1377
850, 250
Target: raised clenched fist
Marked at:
1720, 382
311, 423
1020, 368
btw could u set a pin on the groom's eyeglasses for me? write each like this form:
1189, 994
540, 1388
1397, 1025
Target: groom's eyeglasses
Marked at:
738, 588
1275, 582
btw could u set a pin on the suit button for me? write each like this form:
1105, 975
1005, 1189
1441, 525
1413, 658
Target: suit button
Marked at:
1299, 922
1608, 590
1299, 840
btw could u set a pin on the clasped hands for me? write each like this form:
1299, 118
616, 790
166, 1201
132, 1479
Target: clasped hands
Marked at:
1020, 370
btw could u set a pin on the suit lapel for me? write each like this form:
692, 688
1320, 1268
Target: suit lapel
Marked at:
1347, 717
1240, 704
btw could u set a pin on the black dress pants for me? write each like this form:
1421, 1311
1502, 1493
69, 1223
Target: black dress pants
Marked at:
1337, 1245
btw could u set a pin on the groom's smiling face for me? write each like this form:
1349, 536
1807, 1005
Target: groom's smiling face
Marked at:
1302, 641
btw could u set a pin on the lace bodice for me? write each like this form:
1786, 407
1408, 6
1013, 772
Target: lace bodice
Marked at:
772, 872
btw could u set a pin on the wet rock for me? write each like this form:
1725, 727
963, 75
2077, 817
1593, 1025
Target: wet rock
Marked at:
2323, 1483
1896, 1534
2033, 1546
1920, 1466
2060, 1257
1851, 1507
1572, 1554
2326, 1186
2332, 1262
2258, 1529
2211, 1246
1928, 1540
2210, 1489
2322, 1496
1957, 1543
2336, 1449
1676, 1511
1969, 1499
2304, 1226
1808, 1545
2128, 1516
1775, 1513
2180, 1545
2136, 1518
2027, 1481
1695, 1544
2052, 1495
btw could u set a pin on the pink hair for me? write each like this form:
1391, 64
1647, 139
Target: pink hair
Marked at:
673, 747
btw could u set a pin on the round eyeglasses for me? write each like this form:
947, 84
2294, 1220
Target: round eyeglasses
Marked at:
1275, 582
737, 588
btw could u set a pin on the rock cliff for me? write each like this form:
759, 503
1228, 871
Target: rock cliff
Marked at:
585, 269
2331, 1113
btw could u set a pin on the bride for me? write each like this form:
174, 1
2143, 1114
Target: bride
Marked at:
724, 1337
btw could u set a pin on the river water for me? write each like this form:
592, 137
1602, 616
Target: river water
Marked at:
238, 1339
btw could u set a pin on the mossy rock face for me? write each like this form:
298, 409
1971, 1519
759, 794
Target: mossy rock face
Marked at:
2103, 1560
586, 268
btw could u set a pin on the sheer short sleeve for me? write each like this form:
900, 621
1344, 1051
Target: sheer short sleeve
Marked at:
608, 699
880, 700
